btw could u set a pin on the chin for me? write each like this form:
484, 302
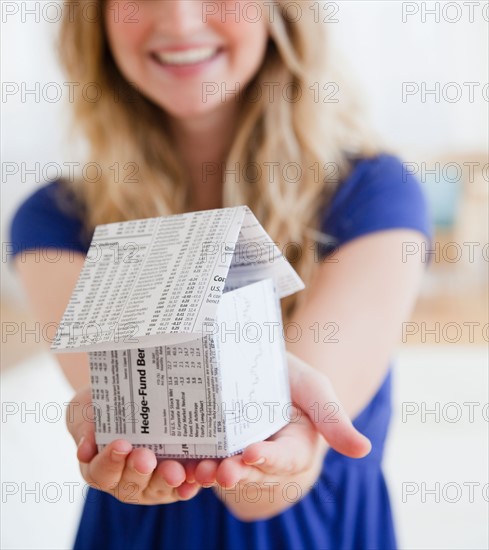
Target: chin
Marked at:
185, 109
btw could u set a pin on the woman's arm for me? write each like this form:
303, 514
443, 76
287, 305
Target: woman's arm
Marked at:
130, 475
48, 286
368, 293
351, 322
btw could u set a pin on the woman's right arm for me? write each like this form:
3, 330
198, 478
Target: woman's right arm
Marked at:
131, 475
48, 286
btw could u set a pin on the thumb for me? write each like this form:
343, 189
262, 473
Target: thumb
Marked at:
312, 391
80, 424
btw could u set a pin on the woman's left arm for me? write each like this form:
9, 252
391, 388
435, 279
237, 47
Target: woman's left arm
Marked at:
351, 321
364, 293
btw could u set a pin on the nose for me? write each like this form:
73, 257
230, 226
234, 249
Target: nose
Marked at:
179, 18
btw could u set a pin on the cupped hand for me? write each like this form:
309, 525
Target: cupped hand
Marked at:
317, 421
132, 475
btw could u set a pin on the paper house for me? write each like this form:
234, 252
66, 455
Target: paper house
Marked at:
180, 316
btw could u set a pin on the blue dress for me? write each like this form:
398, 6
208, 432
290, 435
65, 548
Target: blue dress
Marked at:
348, 507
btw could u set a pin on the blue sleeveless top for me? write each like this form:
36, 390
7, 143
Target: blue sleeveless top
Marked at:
348, 507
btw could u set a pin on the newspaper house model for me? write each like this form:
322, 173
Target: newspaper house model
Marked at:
180, 316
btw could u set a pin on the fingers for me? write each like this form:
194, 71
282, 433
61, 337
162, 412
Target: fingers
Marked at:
172, 472
163, 482
288, 451
231, 471
105, 469
87, 447
169, 479
190, 465
186, 491
314, 394
82, 399
278, 457
226, 472
136, 475
205, 472
79, 421
130, 475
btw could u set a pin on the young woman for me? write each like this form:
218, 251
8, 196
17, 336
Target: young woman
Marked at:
191, 105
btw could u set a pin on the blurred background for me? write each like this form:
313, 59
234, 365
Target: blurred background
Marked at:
422, 68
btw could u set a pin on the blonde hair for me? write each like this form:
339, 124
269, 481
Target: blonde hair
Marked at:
127, 131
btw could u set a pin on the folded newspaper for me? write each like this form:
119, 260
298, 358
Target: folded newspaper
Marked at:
180, 316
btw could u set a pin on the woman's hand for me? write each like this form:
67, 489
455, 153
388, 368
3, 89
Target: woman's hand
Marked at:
292, 451
294, 454
131, 475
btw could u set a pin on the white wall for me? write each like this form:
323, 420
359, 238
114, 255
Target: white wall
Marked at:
382, 50
33, 130
385, 52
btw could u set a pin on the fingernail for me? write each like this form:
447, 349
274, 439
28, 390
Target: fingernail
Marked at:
80, 443
207, 485
141, 473
118, 456
257, 462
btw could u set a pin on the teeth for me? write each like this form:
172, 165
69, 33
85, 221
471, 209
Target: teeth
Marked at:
186, 57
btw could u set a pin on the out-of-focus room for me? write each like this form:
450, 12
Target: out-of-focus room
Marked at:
424, 75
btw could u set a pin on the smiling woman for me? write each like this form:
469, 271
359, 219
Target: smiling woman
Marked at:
264, 100
185, 88
170, 52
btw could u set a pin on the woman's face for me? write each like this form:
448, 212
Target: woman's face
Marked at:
188, 56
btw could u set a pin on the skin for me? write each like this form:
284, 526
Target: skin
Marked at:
368, 292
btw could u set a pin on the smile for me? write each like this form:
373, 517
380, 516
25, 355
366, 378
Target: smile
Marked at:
190, 56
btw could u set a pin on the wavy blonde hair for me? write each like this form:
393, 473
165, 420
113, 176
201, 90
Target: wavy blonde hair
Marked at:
123, 125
